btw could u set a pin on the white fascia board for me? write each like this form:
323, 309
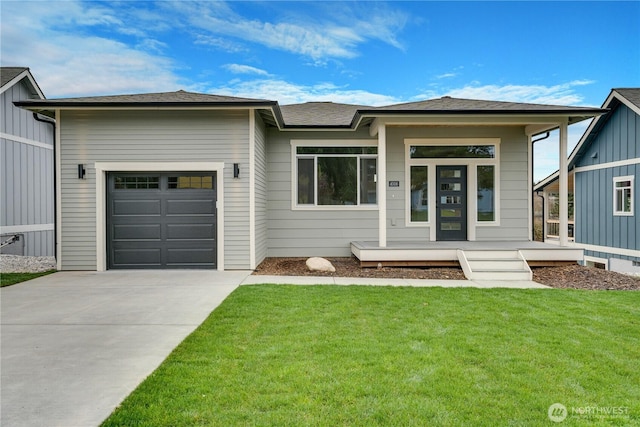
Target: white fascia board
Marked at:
32, 82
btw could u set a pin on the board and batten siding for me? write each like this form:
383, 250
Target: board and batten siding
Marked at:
618, 140
260, 188
26, 187
305, 233
90, 136
514, 186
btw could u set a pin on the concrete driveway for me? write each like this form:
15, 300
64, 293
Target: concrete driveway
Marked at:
75, 344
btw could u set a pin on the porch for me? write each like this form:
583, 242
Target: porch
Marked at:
446, 253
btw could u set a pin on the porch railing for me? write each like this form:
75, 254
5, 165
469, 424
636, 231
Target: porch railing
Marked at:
553, 229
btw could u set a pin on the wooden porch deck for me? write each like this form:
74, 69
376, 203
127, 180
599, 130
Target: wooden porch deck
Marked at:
444, 254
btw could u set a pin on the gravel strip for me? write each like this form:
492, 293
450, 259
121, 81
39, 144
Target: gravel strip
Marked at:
26, 264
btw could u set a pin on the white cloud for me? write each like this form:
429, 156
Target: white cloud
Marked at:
561, 94
244, 69
290, 93
219, 43
305, 36
53, 42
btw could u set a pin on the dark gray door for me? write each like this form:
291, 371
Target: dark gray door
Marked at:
451, 203
161, 220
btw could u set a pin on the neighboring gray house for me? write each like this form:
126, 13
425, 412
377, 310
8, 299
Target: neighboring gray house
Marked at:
187, 180
26, 177
605, 169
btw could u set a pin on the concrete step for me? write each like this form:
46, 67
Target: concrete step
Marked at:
494, 265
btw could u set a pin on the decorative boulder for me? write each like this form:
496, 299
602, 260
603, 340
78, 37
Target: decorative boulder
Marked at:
320, 264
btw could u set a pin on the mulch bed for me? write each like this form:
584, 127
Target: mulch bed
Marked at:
568, 277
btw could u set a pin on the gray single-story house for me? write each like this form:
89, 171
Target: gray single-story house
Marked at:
604, 169
26, 175
189, 180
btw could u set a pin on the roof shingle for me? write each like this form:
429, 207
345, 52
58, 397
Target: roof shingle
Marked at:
631, 94
9, 73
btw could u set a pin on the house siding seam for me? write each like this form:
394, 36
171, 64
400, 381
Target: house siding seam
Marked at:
26, 174
165, 136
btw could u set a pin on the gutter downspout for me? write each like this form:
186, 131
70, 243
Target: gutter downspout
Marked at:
533, 203
37, 118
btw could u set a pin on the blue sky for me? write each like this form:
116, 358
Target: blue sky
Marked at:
372, 53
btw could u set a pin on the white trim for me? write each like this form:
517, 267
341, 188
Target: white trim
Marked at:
563, 185
596, 120
101, 169
604, 261
628, 103
617, 179
530, 185
608, 249
626, 162
24, 74
329, 143
7, 229
58, 192
252, 189
27, 141
472, 184
382, 185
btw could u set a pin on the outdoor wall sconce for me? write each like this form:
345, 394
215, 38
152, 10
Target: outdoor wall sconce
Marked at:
81, 171
236, 170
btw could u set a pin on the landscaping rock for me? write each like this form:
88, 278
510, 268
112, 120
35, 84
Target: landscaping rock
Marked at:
26, 264
320, 264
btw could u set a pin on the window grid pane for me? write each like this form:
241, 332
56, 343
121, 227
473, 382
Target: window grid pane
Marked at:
368, 184
136, 182
336, 176
306, 182
623, 196
452, 151
337, 181
419, 193
486, 193
190, 182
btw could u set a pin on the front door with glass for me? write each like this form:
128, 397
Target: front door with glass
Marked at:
451, 203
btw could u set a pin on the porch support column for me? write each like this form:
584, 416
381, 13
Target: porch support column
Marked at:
563, 182
382, 188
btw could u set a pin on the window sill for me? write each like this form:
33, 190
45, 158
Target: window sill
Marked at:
335, 208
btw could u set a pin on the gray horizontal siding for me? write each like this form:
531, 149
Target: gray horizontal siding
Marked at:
145, 136
513, 181
309, 232
260, 188
328, 233
26, 174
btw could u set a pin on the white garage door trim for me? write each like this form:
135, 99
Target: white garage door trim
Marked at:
101, 196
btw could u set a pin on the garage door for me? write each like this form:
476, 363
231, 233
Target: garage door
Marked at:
161, 220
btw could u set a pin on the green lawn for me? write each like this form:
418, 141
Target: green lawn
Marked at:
363, 356
8, 279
